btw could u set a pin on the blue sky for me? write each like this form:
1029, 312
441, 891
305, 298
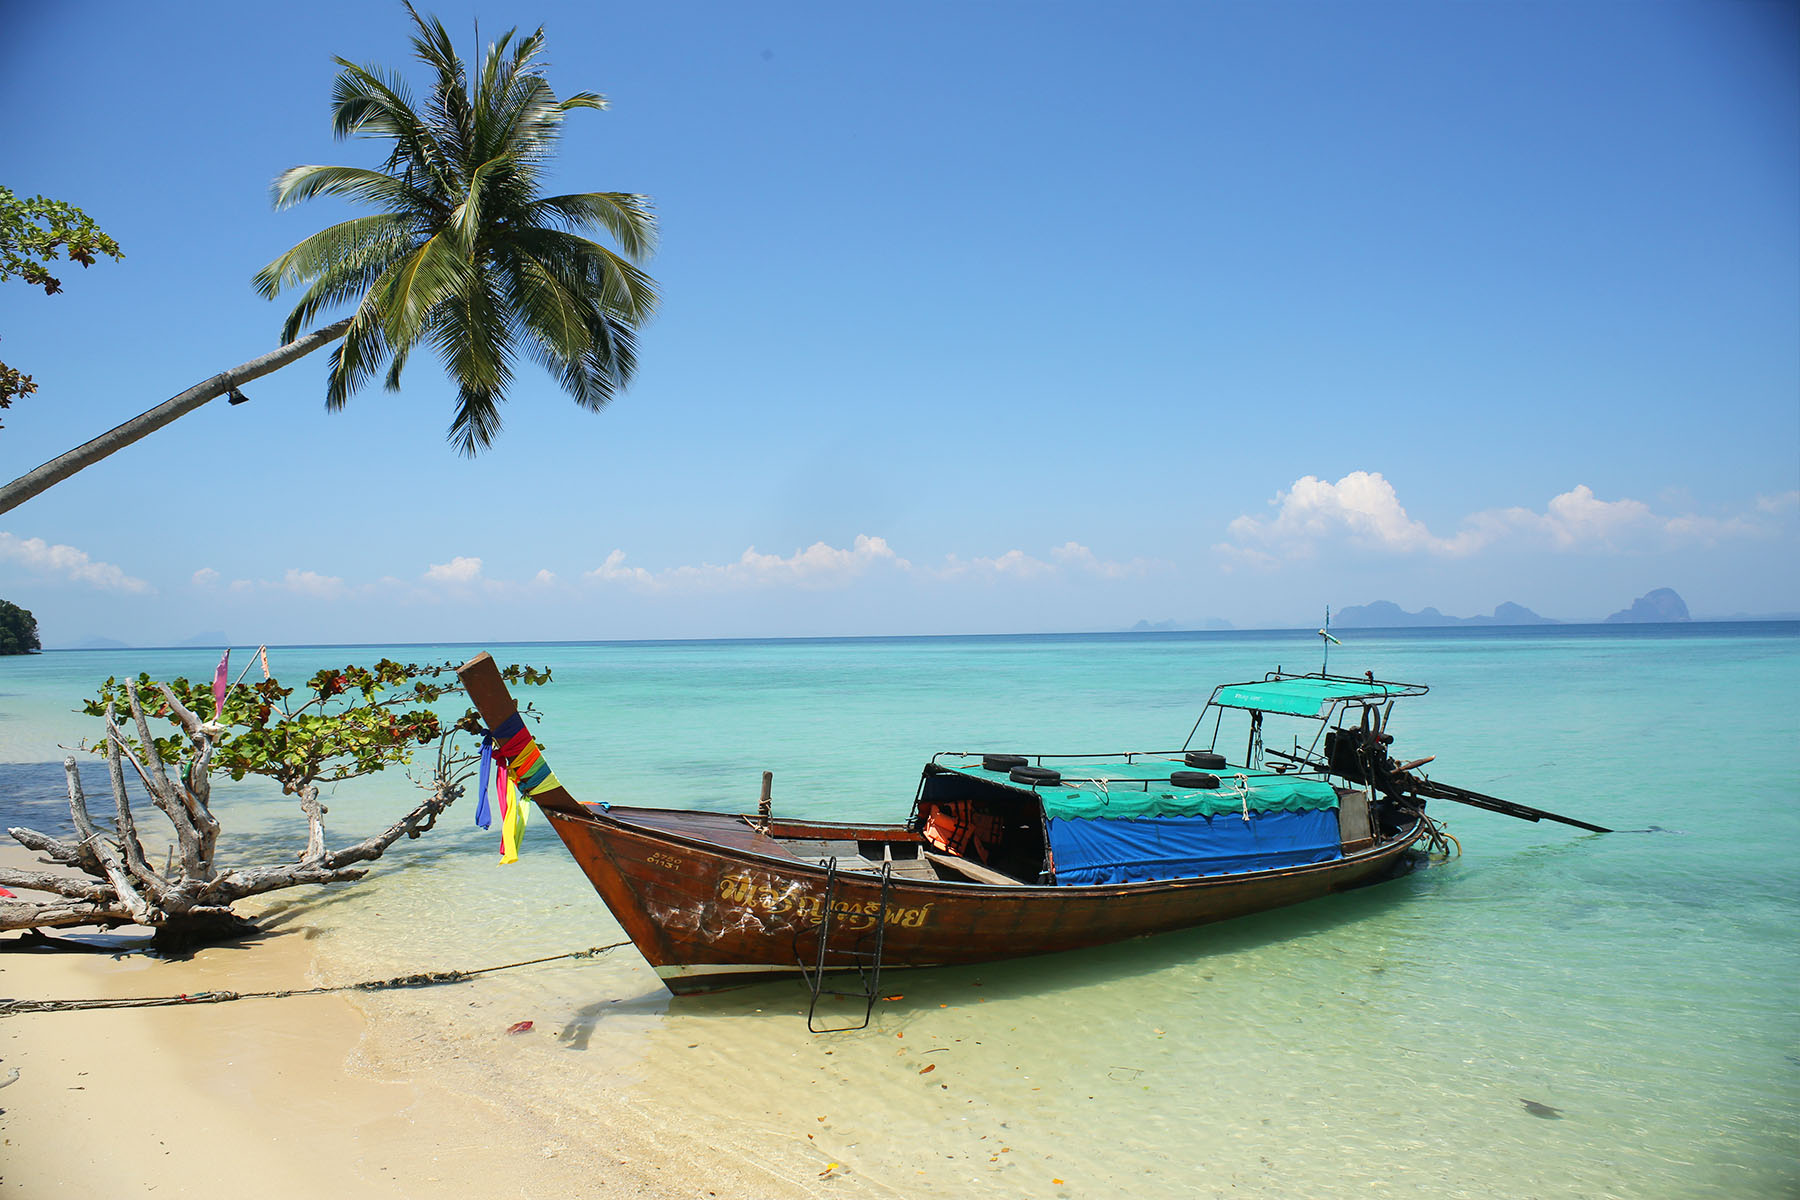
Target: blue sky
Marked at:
977, 317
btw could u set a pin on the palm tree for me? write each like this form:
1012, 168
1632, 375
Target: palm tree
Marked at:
464, 254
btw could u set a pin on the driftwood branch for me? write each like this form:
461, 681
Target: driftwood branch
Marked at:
315, 811
72, 886
197, 780
69, 854
60, 914
109, 858
117, 884
104, 875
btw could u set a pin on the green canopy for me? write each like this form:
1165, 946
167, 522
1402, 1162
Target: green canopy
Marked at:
1296, 697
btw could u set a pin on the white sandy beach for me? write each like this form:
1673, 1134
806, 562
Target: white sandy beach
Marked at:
287, 1093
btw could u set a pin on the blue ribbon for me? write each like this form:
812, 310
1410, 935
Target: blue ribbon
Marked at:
483, 818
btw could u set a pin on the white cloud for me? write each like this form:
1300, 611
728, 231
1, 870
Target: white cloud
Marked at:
818, 565
1015, 564
1576, 518
1078, 557
458, 570
614, 570
38, 555
822, 565
1780, 502
1362, 510
310, 583
301, 583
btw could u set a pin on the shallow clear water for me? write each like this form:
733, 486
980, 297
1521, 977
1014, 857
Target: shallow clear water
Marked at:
1640, 990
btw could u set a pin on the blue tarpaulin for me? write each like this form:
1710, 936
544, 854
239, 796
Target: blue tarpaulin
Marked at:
1089, 852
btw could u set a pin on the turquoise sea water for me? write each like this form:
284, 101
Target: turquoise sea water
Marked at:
1640, 990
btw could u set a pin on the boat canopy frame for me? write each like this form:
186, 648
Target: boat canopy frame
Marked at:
1324, 699
1317, 697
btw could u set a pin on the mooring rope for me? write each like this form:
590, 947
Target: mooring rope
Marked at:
10, 1008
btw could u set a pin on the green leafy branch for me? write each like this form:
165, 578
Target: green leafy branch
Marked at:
345, 722
32, 233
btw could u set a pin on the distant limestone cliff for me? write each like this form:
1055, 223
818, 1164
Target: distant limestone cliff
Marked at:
1660, 605
1385, 614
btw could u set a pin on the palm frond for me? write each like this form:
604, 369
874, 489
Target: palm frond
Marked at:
587, 266
345, 246
472, 332
365, 104
392, 383
355, 358
434, 274
297, 184
466, 221
477, 421
555, 316
624, 215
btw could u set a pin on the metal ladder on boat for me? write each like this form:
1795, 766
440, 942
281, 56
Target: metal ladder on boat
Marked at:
866, 962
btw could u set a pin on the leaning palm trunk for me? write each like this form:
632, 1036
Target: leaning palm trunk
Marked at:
464, 254
86, 455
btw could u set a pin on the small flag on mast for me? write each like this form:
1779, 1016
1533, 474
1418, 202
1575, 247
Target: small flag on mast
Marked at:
219, 678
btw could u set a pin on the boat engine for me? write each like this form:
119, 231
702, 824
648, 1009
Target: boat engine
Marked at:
1359, 753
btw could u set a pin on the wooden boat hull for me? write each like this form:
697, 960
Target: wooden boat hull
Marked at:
711, 902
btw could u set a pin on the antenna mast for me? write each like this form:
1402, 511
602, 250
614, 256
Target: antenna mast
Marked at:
1328, 643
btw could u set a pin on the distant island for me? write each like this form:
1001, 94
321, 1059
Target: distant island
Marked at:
212, 639
1385, 614
1146, 626
18, 630
1662, 604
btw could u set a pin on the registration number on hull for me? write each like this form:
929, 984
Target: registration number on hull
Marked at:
796, 900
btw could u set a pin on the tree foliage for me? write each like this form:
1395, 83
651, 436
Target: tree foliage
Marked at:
18, 629
33, 233
343, 723
464, 253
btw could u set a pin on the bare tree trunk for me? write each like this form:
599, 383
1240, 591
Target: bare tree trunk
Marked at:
189, 903
60, 468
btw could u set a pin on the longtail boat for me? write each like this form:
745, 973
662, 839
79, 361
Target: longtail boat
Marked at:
1009, 855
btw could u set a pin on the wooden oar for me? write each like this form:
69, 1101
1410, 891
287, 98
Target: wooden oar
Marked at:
1444, 791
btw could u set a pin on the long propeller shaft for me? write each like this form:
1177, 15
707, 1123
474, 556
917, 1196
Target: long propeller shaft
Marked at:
1444, 791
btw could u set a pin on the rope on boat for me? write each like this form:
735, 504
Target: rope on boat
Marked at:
10, 1008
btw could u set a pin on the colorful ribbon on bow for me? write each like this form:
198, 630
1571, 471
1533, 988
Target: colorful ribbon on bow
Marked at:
483, 818
513, 810
519, 771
